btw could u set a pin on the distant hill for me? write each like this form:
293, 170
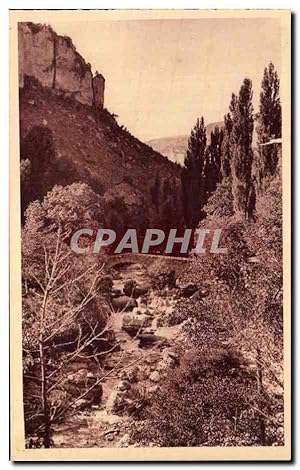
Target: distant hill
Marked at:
175, 147
172, 147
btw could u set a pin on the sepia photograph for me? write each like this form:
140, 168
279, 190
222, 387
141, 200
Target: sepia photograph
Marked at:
150, 250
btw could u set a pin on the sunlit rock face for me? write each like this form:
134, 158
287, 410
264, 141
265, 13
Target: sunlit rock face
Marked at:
36, 52
73, 74
55, 63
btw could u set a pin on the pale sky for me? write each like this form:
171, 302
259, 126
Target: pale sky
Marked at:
162, 74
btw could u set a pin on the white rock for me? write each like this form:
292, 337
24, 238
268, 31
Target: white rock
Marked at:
154, 376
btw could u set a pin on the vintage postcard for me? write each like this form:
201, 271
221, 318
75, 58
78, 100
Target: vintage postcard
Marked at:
150, 235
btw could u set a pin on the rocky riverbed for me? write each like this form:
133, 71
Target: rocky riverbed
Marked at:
144, 348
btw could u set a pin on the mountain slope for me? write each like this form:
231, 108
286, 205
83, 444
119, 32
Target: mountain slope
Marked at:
61, 99
90, 147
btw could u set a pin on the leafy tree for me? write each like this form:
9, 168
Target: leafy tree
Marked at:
65, 209
212, 167
269, 120
242, 154
64, 318
240, 307
37, 151
220, 203
64, 305
216, 139
226, 143
71, 206
117, 214
193, 190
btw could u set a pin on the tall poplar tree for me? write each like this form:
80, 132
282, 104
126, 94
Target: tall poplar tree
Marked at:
227, 140
242, 154
269, 121
212, 167
193, 190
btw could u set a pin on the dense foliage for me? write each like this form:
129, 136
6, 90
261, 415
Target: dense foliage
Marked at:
65, 310
228, 387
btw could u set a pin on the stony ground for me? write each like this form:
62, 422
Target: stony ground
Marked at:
133, 370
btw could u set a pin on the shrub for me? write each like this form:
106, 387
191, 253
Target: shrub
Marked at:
206, 400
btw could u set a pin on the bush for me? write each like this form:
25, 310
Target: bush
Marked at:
204, 401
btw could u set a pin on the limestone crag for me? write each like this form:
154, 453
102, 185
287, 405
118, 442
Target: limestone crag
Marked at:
55, 63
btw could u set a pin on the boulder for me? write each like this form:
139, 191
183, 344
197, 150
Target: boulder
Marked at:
152, 390
154, 376
81, 404
133, 323
124, 303
80, 382
130, 375
139, 291
106, 285
114, 402
149, 313
147, 339
124, 441
187, 290
115, 293
131, 288
123, 386
169, 359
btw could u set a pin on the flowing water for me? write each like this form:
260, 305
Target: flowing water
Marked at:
100, 426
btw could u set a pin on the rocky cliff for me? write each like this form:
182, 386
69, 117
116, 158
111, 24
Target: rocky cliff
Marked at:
67, 136
55, 63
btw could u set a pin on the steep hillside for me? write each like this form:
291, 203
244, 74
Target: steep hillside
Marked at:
175, 147
60, 98
90, 147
